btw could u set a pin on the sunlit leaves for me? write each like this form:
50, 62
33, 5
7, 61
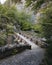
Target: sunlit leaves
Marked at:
15, 1
11, 2
36, 4
45, 19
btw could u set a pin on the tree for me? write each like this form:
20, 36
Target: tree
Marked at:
10, 17
7, 22
44, 19
11, 2
24, 20
46, 24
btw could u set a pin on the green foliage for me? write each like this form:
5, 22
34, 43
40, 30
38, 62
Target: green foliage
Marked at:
2, 38
24, 20
36, 4
37, 27
10, 3
15, 1
26, 26
7, 21
45, 19
10, 17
